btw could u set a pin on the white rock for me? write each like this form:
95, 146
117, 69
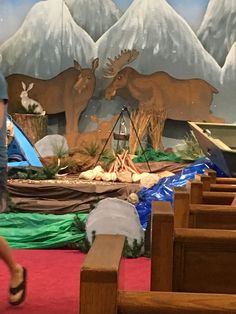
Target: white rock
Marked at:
98, 169
52, 145
87, 175
133, 198
124, 176
149, 179
115, 216
136, 177
109, 176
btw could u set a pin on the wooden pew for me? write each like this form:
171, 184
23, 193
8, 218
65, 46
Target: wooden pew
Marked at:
213, 183
99, 292
203, 208
205, 216
190, 260
175, 303
199, 194
218, 180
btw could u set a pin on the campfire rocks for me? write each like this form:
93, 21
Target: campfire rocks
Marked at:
122, 170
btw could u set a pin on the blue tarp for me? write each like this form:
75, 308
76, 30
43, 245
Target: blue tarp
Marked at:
21, 152
163, 190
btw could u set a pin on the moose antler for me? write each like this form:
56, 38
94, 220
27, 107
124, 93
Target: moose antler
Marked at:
114, 66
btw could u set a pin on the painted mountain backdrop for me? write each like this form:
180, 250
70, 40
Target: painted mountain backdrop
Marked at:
94, 16
163, 38
44, 47
218, 29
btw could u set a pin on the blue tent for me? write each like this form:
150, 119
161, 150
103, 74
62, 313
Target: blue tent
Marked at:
21, 152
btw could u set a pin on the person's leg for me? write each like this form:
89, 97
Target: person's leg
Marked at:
3, 190
16, 270
3, 157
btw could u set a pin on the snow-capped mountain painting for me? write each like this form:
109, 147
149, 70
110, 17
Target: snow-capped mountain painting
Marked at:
94, 16
225, 105
163, 38
49, 34
218, 29
229, 68
47, 42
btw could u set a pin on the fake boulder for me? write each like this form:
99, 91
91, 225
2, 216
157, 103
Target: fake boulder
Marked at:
115, 216
52, 145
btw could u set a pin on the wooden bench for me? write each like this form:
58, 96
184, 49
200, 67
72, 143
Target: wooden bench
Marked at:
213, 183
190, 260
100, 294
218, 214
199, 195
205, 216
221, 180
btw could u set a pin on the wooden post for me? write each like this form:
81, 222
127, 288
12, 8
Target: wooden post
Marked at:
206, 182
34, 126
181, 208
162, 246
212, 174
234, 202
196, 192
99, 275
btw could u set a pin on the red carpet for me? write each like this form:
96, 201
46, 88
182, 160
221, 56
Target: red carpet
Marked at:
53, 281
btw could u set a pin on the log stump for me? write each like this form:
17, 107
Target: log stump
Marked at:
34, 126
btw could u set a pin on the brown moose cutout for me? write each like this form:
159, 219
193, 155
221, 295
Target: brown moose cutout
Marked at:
69, 92
159, 93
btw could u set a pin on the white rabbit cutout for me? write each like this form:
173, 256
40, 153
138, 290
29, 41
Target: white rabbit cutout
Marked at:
28, 102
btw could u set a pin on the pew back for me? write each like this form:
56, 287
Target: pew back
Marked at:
99, 291
208, 216
192, 260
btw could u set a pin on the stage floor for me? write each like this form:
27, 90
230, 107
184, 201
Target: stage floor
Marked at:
69, 194
65, 195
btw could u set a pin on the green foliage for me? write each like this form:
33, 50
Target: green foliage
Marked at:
107, 158
130, 251
133, 251
59, 150
45, 173
192, 150
139, 151
83, 245
120, 150
78, 224
31, 109
91, 149
151, 154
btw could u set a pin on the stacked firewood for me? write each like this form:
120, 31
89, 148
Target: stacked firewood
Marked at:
122, 170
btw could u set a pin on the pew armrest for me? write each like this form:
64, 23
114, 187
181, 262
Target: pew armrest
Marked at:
162, 246
99, 275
